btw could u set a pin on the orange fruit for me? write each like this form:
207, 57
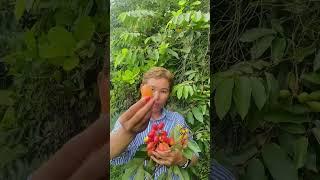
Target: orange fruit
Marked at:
146, 91
164, 147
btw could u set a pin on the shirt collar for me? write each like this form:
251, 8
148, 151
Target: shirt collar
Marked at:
164, 112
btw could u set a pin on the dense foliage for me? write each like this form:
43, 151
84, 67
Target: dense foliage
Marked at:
265, 83
51, 53
171, 34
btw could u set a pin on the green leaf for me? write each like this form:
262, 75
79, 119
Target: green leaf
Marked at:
180, 91
316, 62
258, 92
187, 153
196, 16
140, 173
286, 141
243, 156
278, 164
316, 133
276, 25
260, 46
190, 118
30, 40
311, 77
285, 117
185, 174
278, 48
84, 28
273, 87
311, 162
255, 170
242, 95
300, 152
6, 100
254, 34
61, 41
301, 53
294, 128
196, 3
176, 170
223, 97
9, 116
70, 63
194, 146
173, 53
19, 8
197, 114
185, 92
182, 2
64, 17
129, 172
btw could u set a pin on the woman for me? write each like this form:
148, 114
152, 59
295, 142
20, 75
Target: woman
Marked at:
161, 81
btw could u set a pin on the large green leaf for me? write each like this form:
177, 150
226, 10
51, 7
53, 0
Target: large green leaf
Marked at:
255, 33
294, 128
242, 95
197, 114
312, 77
279, 166
273, 87
285, 117
176, 170
311, 161
258, 92
19, 8
255, 170
300, 152
190, 117
278, 48
140, 173
5, 96
316, 133
84, 28
70, 63
223, 97
194, 146
60, 37
260, 46
243, 156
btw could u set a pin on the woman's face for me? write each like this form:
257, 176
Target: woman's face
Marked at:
161, 91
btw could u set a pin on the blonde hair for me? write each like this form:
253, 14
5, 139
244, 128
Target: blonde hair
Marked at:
157, 73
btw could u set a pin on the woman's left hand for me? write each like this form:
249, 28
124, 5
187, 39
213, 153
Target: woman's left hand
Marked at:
169, 158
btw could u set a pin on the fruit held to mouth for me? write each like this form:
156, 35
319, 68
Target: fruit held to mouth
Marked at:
146, 91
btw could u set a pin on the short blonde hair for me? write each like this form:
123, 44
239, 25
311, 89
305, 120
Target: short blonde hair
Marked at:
157, 73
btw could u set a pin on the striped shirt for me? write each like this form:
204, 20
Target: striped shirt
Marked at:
170, 119
218, 172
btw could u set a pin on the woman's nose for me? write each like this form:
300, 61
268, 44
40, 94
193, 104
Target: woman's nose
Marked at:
156, 95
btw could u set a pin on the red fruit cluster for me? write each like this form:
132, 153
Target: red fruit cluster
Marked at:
158, 139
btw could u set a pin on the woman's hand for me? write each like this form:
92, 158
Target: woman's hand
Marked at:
169, 158
136, 118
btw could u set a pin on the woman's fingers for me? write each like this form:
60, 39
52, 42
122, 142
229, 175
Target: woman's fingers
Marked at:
142, 115
134, 108
159, 161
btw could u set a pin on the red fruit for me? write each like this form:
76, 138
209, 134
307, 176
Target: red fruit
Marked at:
151, 134
164, 133
161, 125
156, 139
150, 146
155, 127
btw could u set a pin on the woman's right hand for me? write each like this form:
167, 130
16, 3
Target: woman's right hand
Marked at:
136, 118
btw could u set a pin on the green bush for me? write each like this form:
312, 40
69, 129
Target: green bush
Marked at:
265, 80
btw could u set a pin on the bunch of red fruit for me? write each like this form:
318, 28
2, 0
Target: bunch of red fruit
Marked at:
157, 139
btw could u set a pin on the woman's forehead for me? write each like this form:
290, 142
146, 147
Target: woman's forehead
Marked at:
158, 83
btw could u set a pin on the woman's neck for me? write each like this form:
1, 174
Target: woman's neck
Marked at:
156, 115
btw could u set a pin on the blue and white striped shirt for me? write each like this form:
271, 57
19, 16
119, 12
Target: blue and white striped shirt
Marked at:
170, 119
218, 172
